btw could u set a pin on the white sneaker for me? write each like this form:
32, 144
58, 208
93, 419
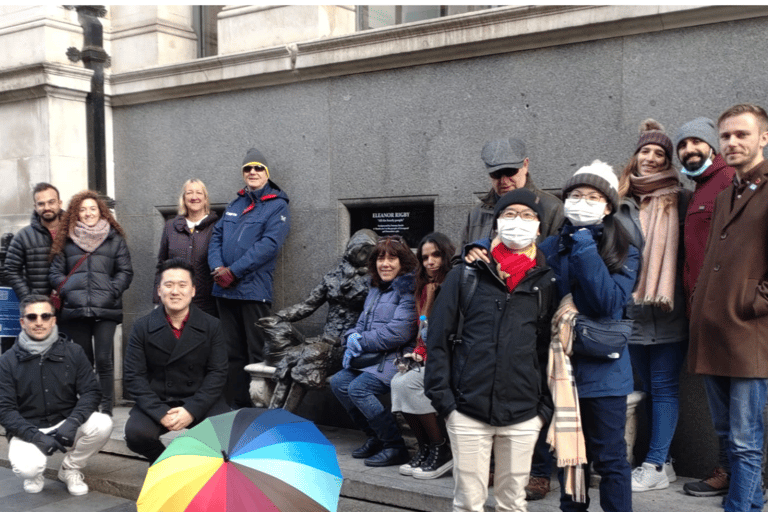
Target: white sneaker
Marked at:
670, 471
74, 480
648, 478
34, 485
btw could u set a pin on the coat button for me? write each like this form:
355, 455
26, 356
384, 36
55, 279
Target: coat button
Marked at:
723, 236
717, 267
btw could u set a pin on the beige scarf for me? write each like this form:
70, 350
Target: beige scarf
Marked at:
565, 435
657, 194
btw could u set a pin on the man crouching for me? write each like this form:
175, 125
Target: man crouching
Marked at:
48, 401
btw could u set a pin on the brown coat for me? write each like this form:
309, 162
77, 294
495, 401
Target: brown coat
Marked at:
729, 315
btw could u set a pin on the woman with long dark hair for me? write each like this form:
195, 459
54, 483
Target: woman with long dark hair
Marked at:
187, 236
596, 269
653, 209
386, 326
433, 456
91, 268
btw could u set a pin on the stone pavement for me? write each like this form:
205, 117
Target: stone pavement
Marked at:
115, 477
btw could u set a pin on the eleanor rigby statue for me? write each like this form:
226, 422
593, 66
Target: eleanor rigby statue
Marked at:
301, 363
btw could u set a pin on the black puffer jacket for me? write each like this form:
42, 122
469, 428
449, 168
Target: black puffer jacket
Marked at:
70, 388
497, 375
178, 242
96, 288
26, 263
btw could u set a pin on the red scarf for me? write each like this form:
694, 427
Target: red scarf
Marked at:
514, 264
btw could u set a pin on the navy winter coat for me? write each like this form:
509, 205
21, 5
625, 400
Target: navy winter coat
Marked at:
497, 374
388, 322
248, 242
40, 391
596, 294
27, 264
95, 289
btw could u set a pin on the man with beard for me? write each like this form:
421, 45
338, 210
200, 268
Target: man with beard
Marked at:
26, 263
48, 401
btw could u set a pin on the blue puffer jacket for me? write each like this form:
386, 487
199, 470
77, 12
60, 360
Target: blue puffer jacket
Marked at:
248, 242
388, 322
597, 294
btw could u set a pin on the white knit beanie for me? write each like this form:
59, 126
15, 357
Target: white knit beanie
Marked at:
597, 175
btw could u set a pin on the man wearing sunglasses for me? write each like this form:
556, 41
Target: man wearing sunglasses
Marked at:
49, 398
507, 166
242, 256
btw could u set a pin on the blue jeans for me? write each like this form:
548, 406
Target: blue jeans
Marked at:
357, 391
603, 420
737, 407
659, 368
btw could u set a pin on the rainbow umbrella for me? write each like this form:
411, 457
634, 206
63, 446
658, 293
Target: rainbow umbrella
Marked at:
245, 460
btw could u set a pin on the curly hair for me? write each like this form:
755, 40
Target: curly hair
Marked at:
72, 216
446, 249
394, 246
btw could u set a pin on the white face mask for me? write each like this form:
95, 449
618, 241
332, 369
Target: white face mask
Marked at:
517, 233
582, 214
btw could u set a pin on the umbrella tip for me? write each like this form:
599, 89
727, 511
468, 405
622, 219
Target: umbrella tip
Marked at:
224, 454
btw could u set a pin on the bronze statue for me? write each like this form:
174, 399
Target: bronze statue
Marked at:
301, 363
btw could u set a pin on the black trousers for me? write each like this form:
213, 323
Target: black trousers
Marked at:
245, 344
142, 433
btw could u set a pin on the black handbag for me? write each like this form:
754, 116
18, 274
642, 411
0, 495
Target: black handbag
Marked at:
602, 338
368, 359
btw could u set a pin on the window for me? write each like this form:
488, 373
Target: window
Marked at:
377, 16
205, 24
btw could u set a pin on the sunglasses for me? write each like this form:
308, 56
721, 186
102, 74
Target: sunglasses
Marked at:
508, 172
32, 317
258, 168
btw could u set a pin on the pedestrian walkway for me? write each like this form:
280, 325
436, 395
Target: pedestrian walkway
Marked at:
115, 477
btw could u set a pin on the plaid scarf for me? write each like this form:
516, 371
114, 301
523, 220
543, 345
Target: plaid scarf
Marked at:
565, 435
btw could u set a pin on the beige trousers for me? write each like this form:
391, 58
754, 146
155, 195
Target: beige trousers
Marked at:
471, 444
28, 461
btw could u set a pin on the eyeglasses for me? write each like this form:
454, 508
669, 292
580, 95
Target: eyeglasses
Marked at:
591, 199
258, 168
32, 317
527, 215
508, 172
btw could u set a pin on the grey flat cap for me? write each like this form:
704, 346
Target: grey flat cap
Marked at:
503, 154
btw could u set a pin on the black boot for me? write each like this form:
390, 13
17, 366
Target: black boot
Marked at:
372, 446
394, 451
439, 462
417, 460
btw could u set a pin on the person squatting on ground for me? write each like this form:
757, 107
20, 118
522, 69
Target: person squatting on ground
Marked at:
242, 255
386, 326
27, 262
729, 332
91, 269
187, 236
489, 380
433, 456
175, 364
48, 401
596, 268
653, 212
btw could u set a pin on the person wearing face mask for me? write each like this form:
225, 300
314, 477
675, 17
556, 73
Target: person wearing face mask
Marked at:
653, 210
596, 269
488, 378
696, 143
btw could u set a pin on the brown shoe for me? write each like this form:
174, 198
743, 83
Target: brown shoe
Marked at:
537, 488
715, 484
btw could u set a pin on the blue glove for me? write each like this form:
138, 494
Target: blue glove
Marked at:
588, 234
353, 350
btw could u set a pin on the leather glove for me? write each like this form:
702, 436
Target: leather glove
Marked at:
65, 433
223, 277
47, 444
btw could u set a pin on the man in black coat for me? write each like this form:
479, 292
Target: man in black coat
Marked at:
175, 364
27, 263
48, 401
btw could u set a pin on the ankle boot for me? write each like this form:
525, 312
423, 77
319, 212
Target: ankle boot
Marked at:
372, 446
394, 451
417, 460
439, 462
